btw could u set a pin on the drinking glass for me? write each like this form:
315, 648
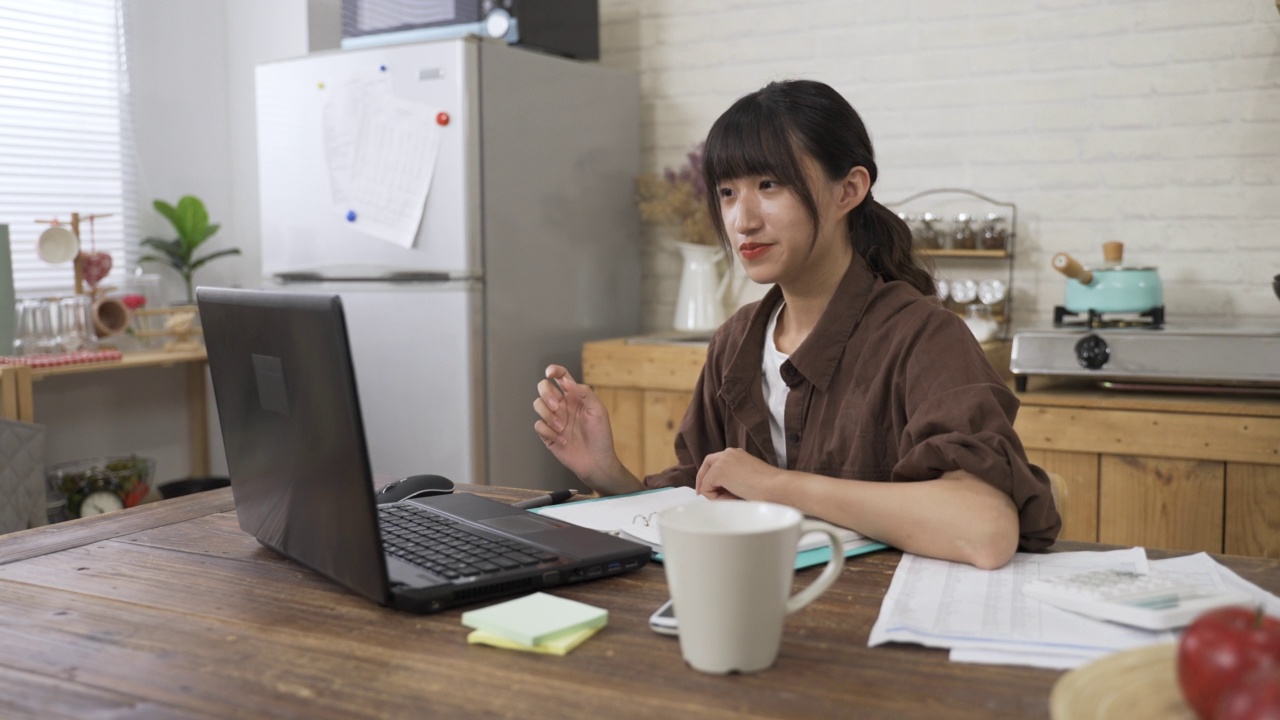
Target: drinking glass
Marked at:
36, 332
75, 323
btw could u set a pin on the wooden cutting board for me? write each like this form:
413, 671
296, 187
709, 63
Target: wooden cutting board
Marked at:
1140, 683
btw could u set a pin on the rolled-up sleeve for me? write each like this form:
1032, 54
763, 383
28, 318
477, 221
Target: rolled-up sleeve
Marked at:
970, 428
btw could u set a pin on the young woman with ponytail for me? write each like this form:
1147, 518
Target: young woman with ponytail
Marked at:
848, 392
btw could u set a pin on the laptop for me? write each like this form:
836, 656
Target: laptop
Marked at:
291, 424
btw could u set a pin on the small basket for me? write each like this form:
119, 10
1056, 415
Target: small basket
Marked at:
178, 325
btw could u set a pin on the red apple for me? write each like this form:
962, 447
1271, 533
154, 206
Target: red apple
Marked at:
1220, 649
1257, 697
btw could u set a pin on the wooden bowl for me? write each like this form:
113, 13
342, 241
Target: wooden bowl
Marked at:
1141, 683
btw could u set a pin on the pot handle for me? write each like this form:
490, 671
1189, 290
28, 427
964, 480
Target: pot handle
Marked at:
1068, 266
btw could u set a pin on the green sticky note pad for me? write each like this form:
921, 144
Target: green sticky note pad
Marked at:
558, 644
533, 619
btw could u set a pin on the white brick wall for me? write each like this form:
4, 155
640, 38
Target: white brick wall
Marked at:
1153, 122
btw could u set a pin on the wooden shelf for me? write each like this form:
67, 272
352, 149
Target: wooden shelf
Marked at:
984, 254
129, 360
17, 400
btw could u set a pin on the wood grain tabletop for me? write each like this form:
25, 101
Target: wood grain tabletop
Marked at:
169, 610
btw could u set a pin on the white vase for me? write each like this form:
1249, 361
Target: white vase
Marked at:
700, 303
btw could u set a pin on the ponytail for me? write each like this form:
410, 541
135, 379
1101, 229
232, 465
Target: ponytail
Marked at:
884, 242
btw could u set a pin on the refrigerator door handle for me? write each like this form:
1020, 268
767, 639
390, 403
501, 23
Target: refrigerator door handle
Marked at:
413, 276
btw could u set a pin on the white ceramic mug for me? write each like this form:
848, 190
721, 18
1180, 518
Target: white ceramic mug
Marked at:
729, 566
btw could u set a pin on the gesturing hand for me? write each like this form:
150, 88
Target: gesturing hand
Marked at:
734, 473
574, 424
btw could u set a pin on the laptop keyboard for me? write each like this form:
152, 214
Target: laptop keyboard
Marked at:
448, 548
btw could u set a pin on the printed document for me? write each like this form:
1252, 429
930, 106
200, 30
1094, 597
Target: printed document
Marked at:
984, 617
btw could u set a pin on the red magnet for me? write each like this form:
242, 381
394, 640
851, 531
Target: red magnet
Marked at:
442, 118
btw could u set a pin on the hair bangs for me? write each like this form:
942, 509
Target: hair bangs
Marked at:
747, 141
753, 138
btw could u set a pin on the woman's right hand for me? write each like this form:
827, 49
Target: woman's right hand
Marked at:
574, 425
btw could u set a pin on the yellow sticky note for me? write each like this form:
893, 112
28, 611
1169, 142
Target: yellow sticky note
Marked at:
560, 644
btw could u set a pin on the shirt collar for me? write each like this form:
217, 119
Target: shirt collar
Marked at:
818, 355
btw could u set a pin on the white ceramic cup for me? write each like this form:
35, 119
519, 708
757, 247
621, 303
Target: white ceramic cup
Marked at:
729, 566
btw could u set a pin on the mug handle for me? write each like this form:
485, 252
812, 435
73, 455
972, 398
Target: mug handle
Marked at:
829, 574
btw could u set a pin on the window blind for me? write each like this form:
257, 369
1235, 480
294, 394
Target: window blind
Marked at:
66, 140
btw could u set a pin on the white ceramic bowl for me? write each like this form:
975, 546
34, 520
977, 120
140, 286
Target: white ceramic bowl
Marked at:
57, 244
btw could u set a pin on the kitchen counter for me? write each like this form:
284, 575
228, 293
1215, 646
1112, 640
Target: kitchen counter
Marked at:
1170, 470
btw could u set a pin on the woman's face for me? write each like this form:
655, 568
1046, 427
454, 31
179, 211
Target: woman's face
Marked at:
771, 231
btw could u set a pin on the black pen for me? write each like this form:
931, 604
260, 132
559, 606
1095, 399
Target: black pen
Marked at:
552, 498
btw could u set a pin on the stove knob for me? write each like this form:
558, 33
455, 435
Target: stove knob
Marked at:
1092, 352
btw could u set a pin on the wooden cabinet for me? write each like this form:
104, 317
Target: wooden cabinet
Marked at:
647, 388
1161, 471
1169, 471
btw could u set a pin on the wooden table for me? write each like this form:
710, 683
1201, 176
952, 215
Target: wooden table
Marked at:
17, 398
169, 610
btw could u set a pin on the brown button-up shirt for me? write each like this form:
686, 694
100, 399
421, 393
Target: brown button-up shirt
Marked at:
889, 386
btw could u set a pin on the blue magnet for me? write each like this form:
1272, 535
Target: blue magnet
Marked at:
351, 216
382, 68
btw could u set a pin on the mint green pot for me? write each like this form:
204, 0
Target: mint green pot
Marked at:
1116, 290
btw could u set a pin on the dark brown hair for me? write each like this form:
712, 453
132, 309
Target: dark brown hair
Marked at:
761, 133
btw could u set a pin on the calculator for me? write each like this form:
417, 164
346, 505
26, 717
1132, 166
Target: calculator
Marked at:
1152, 602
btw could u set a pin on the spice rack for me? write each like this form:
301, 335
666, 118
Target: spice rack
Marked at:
956, 262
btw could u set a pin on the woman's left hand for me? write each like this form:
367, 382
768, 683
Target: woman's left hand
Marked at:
734, 474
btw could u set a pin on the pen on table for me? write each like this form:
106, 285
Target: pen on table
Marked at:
551, 498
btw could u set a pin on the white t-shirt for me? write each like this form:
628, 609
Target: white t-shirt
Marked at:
775, 389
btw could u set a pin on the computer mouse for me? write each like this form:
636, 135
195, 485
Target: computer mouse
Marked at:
415, 486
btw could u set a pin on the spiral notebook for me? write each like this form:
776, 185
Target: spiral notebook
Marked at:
634, 517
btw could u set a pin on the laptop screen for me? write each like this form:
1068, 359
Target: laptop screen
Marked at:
290, 417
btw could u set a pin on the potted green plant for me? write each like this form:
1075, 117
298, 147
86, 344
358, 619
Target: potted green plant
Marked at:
191, 221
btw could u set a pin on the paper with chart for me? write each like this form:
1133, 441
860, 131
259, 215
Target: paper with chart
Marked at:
945, 604
984, 617
1199, 569
381, 152
345, 101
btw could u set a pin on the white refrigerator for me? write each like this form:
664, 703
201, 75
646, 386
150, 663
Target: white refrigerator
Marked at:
526, 245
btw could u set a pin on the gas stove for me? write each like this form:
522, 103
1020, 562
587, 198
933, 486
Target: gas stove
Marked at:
1238, 355
1153, 318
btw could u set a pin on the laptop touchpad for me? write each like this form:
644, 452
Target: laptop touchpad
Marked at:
519, 524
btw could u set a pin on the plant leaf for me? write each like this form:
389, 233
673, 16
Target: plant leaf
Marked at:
208, 232
172, 250
194, 221
168, 211
212, 256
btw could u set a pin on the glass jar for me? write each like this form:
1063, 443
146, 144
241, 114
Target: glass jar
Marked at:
963, 236
964, 290
980, 321
55, 507
994, 235
141, 295
927, 236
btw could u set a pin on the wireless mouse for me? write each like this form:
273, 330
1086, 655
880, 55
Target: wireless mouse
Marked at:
414, 486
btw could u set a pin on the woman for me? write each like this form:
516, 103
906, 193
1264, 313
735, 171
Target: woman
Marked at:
848, 392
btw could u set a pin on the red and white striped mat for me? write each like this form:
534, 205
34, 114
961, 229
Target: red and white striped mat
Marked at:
80, 357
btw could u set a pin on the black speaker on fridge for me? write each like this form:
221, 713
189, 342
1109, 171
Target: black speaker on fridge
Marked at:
570, 28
